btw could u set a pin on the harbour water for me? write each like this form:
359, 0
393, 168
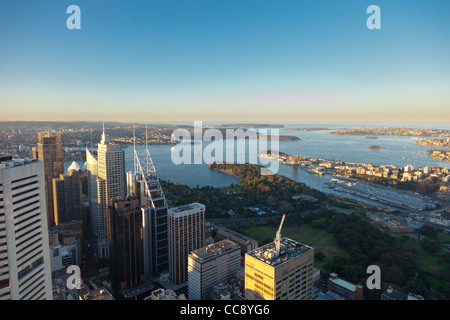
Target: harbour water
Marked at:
397, 151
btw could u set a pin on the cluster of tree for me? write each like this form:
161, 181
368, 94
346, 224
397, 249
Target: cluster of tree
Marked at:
252, 182
274, 192
366, 245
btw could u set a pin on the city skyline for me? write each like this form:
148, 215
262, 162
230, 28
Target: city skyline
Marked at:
225, 60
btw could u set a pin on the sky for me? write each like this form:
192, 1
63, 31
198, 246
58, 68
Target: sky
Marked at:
225, 60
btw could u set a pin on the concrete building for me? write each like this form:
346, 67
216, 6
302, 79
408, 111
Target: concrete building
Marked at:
186, 233
247, 244
286, 275
344, 288
213, 264
25, 272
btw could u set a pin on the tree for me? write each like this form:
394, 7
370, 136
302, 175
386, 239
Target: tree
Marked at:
429, 245
428, 231
319, 256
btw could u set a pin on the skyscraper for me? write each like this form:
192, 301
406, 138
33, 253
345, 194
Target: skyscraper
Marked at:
126, 244
92, 176
50, 151
67, 197
144, 183
25, 271
186, 233
107, 181
210, 265
286, 274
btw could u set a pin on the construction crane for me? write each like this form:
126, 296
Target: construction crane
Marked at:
273, 253
278, 236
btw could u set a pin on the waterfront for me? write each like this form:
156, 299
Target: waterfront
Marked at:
398, 151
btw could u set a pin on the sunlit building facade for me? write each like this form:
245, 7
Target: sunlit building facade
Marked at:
25, 271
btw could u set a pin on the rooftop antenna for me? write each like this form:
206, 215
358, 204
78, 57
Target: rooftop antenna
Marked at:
146, 137
92, 144
134, 146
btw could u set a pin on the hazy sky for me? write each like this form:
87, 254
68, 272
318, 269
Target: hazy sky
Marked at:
238, 60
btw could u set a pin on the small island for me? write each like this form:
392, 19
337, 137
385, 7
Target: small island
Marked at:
375, 147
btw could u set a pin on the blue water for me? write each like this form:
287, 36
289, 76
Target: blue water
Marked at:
398, 151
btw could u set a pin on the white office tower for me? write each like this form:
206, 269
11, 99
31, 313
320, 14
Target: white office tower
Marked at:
25, 272
211, 265
107, 181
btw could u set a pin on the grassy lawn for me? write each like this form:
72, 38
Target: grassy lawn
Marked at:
431, 263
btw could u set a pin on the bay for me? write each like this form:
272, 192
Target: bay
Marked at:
398, 151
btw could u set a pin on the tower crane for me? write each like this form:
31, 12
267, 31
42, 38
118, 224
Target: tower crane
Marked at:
278, 236
273, 253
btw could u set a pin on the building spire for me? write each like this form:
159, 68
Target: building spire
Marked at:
105, 138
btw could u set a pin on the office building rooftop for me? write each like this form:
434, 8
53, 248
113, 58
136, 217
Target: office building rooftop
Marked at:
186, 207
289, 249
9, 162
211, 251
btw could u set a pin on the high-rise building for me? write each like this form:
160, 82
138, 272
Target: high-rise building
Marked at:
25, 272
106, 175
92, 177
144, 183
286, 274
154, 206
210, 265
67, 197
50, 151
186, 233
125, 244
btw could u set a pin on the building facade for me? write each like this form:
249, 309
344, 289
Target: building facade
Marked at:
25, 272
154, 207
50, 151
186, 233
344, 288
284, 276
67, 197
213, 264
106, 181
125, 244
